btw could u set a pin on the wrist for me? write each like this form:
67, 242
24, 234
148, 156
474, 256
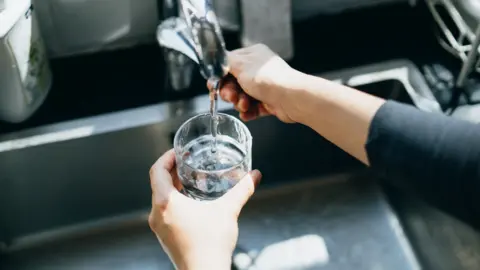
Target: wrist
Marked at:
301, 96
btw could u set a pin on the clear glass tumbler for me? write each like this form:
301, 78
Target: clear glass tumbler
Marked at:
209, 166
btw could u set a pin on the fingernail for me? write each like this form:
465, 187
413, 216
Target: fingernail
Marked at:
223, 96
243, 104
237, 108
256, 175
228, 97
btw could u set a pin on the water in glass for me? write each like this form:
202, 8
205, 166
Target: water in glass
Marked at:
211, 164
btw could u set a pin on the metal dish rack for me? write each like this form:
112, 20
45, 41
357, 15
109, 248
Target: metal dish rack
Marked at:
457, 35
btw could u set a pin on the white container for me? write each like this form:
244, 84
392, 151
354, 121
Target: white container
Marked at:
25, 76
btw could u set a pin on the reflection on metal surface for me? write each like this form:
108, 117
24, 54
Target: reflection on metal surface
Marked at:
173, 33
175, 37
304, 252
345, 219
76, 231
53, 137
134, 118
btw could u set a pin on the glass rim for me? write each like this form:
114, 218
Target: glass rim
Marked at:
191, 119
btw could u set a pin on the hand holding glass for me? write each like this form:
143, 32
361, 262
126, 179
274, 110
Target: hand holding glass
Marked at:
208, 166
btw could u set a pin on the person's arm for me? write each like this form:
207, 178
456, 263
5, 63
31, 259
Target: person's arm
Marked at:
436, 156
340, 114
431, 153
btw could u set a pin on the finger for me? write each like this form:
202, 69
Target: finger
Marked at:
229, 88
229, 95
230, 91
248, 116
243, 102
176, 180
241, 192
165, 162
252, 112
160, 177
255, 111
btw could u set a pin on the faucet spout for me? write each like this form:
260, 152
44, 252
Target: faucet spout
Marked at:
174, 34
207, 37
194, 34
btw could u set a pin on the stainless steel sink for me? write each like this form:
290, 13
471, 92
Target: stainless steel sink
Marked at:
75, 195
346, 212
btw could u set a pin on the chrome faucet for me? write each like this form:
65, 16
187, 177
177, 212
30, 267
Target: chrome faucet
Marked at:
207, 37
195, 34
179, 67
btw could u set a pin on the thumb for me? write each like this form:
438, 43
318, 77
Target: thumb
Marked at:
161, 180
241, 192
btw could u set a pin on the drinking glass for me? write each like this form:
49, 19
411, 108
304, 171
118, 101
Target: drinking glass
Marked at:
208, 166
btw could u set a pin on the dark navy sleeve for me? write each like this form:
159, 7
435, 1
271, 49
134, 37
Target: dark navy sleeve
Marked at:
433, 155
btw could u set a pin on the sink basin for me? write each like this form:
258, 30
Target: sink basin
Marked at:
75, 195
347, 212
